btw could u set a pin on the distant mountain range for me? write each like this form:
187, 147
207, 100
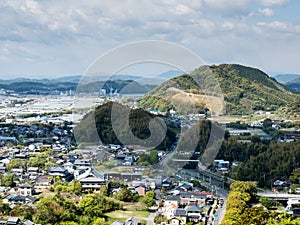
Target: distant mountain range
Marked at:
290, 80
285, 78
245, 90
295, 84
127, 84
170, 74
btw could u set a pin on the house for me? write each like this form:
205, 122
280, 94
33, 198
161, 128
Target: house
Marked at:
186, 187
28, 222
117, 223
91, 180
100, 157
14, 190
194, 213
22, 156
220, 163
187, 198
169, 210
131, 221
128, 177
60, 172
26, 189
30, 199
167, 183
14, 198
13, 221
2, 168
82, 163
140, 189
180, 215
18, 172
42, 184
32, 171
3, 189
69, 166
172, 199
175, 221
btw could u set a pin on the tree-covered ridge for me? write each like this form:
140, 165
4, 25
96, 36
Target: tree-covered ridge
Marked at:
245, 90
261, 161
249, 73
101, 121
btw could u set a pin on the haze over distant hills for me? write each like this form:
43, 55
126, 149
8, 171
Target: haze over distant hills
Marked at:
285, 78
245, 89
290, 80
295, 84
127, 84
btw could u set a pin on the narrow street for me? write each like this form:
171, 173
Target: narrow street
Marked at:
150, 220
219, 192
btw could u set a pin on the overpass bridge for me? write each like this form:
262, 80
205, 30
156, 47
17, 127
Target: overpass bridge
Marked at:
278, 196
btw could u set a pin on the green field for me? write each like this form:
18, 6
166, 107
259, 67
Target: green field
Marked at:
122, 215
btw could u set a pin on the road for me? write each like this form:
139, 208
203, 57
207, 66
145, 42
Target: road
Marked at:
220, 212
150, 219
215, 186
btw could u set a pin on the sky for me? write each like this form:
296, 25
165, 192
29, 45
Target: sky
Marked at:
53, 38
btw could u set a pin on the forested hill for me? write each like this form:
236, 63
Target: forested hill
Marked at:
245, 90
101, 118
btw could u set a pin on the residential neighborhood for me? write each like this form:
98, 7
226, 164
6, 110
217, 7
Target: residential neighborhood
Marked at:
41, 165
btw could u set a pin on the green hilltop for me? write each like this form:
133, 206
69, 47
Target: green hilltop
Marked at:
97, 125
244, 89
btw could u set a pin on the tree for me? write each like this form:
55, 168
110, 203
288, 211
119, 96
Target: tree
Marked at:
104, 190
94, 205
99, 221
149, 199
266, 202
22, 210
90, 207
8, 180
4, 209
255, 215
14, 163
284, 221
295, 176
49, 212
149, 159
75, 187
126, 195
159, 218
68, 223
245, 187
267, 123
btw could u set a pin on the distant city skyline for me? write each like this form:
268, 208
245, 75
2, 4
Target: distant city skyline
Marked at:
50, 38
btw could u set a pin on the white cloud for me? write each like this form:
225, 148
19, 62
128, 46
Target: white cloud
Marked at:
278, 26
274, 2
53, 34
183, 9
228, 26
266, 12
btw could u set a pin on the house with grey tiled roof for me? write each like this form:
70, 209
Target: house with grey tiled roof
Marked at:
91, 180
